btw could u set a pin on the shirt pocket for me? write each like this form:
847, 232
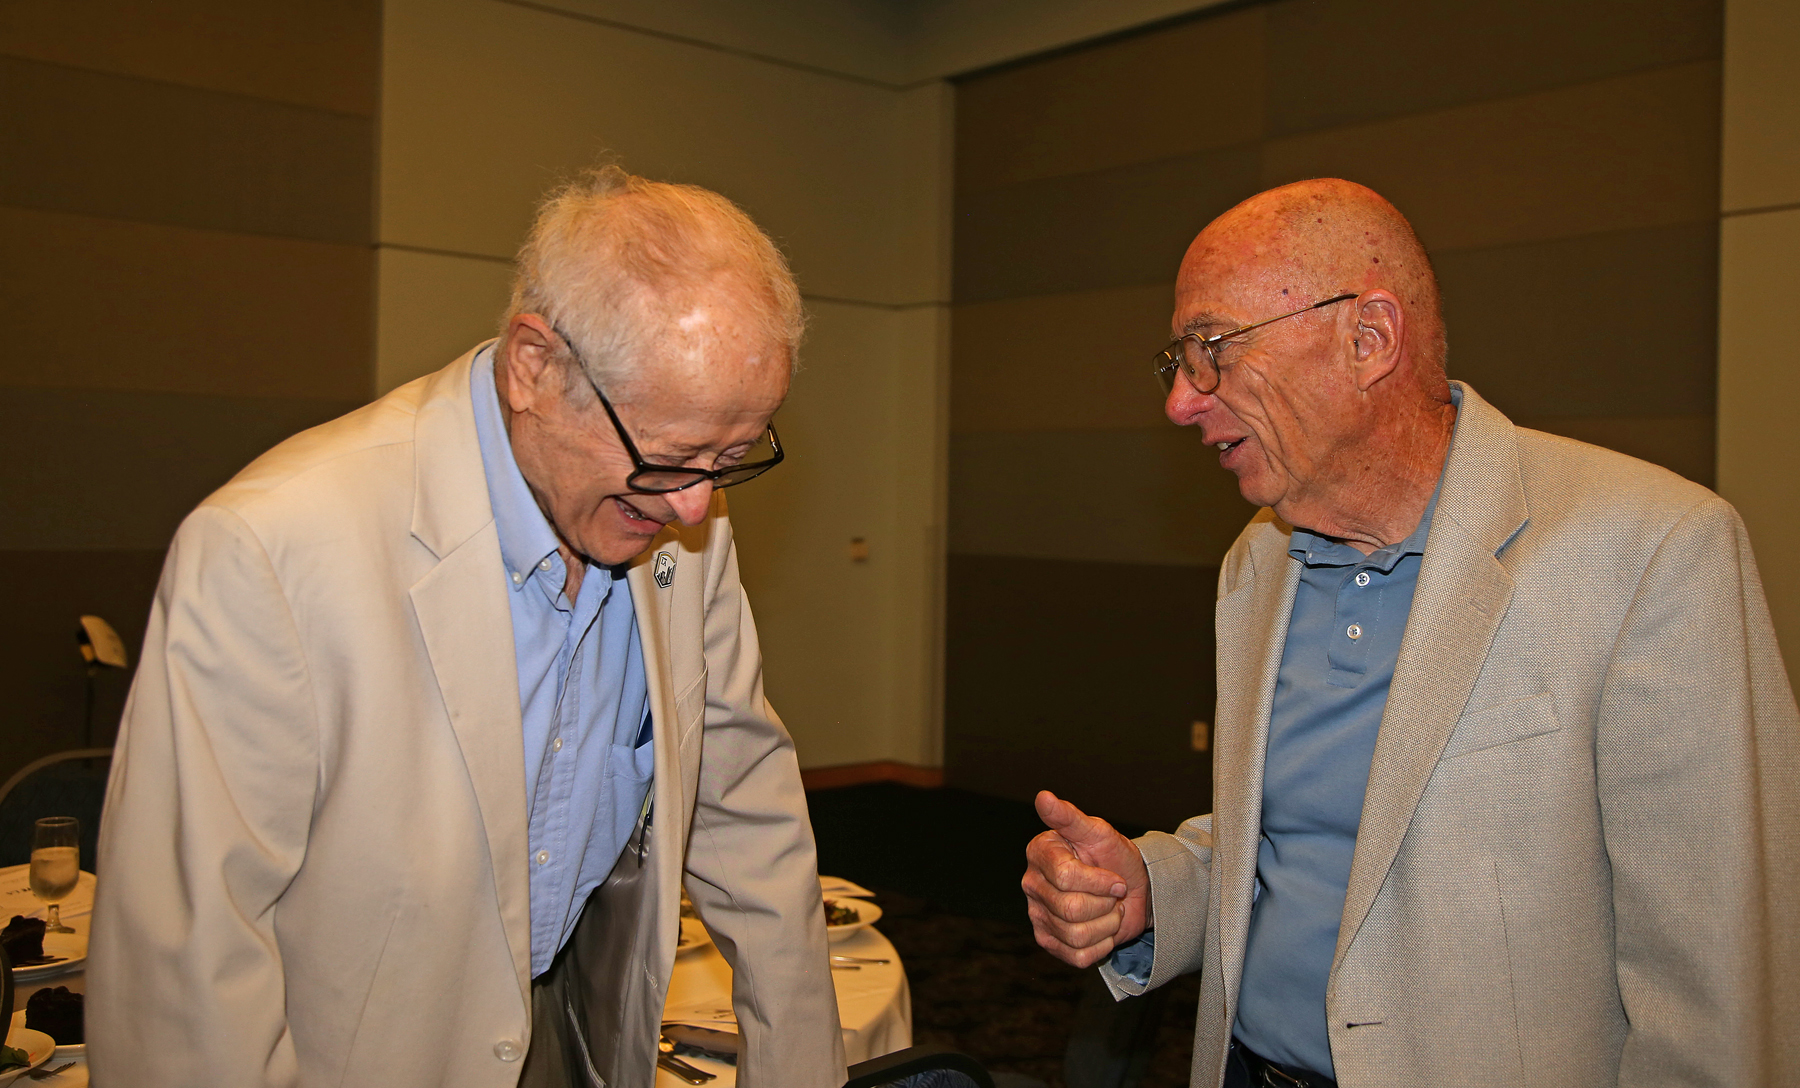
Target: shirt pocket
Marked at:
1502, 724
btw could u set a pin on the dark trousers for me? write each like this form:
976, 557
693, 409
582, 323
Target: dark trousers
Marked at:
557, 1054
1244, 1068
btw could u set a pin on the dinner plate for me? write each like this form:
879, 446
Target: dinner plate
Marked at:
35, 1043
867, 914
63, 1052
72, 947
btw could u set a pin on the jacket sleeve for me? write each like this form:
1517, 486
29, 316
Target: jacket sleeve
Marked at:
1180, 867
205, 824
1700, 805
752, 865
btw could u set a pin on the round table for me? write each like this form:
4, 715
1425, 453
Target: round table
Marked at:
874, 1003
16, 898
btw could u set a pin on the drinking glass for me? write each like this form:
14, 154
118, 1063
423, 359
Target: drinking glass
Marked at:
55, 864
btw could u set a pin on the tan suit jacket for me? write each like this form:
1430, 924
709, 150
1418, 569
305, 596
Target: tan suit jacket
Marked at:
1578, 859
314, 848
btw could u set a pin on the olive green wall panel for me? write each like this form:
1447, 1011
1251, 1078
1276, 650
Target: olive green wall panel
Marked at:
320, 53
1082, 678
97, 469
1345, 62
1195, 87
1618, 324
1108, 229
130, 148
1129, 496
114, 304
1633, 151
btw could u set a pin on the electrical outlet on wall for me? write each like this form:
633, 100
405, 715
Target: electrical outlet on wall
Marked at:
1200, 736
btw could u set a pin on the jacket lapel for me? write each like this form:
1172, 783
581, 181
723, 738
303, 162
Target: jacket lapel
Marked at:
1462, 596
1252, 614
461, 605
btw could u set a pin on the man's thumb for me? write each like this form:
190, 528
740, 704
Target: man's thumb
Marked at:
1060, 816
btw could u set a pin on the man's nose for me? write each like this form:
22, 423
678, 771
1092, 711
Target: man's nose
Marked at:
691, 503
1184, 404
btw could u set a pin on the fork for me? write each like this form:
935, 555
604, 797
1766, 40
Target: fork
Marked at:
46, 1073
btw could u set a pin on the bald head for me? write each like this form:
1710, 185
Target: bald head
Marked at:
1325, 237
1318, 307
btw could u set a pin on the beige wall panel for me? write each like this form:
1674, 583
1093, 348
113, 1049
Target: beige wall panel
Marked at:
95, 469
485, 104
1059, 362
321, 53
1683, 444
849, 645
1759, 384
1579, 160
1337, 65
431, 308
1126, 496
1762, 104
107, 304
1194, 87
124, 147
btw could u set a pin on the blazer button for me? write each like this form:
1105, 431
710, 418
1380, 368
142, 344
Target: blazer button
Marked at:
508, 1050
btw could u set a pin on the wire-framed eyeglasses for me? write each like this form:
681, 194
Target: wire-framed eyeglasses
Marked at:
1197, 357
654, 479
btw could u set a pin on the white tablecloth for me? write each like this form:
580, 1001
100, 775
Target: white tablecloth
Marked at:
874, 1003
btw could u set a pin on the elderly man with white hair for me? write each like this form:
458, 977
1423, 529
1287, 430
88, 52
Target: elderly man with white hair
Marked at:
443, 702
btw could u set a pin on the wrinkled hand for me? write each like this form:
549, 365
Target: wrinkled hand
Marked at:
1086, 887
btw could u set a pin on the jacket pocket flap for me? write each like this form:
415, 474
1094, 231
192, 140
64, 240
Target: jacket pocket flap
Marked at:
1505, 723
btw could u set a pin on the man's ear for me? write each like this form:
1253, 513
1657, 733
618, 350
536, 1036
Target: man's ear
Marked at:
1380, 337
525, 365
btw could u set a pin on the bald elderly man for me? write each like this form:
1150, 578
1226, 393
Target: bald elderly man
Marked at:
1506, 788
442, 703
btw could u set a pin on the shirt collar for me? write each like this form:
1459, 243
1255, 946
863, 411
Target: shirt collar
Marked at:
526, 538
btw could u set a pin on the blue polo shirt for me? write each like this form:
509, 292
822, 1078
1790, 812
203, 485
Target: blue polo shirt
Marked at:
1343, 642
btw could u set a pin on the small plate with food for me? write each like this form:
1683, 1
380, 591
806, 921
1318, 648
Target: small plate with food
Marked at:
24, 1051
845, 916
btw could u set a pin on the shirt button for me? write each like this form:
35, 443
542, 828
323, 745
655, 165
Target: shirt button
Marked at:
556, 745
543, 857
517, 578
544, 564
1362, 577
508, 1050
1354, 631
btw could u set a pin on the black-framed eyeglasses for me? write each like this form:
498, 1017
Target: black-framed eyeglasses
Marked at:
1196, 356
653, 479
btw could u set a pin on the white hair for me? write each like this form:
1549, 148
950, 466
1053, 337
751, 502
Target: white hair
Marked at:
612, 258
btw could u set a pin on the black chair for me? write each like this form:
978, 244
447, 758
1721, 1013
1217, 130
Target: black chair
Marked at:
920, 1067
71, 783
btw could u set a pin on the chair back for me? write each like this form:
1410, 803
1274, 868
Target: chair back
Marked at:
920, 1067
71, 783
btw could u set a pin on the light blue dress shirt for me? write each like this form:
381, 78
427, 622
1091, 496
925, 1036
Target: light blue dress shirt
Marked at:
583, 698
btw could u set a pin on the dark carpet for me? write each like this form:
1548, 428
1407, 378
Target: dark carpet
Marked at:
946, 864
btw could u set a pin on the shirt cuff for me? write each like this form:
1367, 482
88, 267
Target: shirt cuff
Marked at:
1132, 959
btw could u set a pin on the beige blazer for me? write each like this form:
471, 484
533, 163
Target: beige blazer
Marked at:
313, 858
1578, 861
